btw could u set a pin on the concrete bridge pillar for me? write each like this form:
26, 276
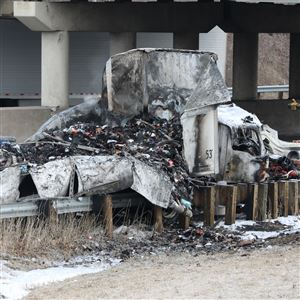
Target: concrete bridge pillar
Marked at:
186, 40
121, 42
294, 80
245, 57
55, 68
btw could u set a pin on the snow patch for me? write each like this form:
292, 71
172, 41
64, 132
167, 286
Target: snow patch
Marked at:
233, 116
237, 226
254, 235
16, 284
293, 223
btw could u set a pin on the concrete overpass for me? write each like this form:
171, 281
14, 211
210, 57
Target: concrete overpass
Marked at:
186, 19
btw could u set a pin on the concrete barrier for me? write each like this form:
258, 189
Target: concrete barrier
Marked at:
22, 122
277, 114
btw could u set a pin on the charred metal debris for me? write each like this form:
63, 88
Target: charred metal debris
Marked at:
158, 129
155, 142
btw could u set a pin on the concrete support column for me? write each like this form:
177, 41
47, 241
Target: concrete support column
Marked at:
121, 42
294, 80
245, 57
55, 68
186, 40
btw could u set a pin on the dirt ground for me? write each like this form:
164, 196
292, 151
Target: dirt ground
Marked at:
269, 273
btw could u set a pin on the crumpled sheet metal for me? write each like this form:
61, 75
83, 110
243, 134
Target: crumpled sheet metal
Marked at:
162, 80
53, 178
151, 184
94, 171
232, 116
279, 147
89, 110
9, 184
210, 90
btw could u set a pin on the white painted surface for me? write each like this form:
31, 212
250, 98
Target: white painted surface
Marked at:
208, 158
200, 138
215, 41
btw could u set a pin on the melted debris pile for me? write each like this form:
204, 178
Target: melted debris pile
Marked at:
131, 241
154, 141
284, 168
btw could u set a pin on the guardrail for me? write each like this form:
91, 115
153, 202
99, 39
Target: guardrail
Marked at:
32, 207
264, 89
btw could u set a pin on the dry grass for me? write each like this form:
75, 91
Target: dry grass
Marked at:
31, 237
65, 237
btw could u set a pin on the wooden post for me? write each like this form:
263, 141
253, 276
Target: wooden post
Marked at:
283, 197
262, 200
184, 221
293, 208
53, 215
108, 216
209, 205
242, 192
230, 211
47, 211
158, 219
273, 199
253, 196
298, 197
198, 200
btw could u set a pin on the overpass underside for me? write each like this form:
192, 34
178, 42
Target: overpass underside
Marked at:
186, 19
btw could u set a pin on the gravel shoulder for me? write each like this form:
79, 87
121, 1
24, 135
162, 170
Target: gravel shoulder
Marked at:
272, 273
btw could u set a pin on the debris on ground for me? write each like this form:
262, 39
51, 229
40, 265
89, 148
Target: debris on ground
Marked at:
132, 241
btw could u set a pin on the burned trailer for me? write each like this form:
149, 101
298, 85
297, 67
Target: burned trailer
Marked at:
156, 115
164, 126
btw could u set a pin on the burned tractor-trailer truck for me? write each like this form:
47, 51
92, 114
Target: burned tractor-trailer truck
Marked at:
164, 126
